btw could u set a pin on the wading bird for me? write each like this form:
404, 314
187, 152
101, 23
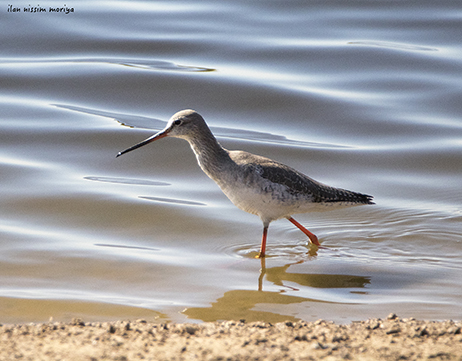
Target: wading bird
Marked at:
255, 184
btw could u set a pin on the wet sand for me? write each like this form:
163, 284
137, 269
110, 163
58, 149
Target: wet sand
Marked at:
374, 339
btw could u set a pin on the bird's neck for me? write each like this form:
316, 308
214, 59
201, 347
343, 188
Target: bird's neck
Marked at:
211, 156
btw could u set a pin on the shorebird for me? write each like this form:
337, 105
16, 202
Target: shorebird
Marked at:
255, 184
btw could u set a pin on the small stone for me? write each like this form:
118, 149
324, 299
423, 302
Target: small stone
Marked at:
392, 316
393, 330
318, 346
191, 330
424, 331
373, 326
77, 322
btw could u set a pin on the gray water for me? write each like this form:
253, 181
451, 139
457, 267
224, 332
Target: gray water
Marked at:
362, 95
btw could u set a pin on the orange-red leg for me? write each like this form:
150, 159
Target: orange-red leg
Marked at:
310, 235
263, 242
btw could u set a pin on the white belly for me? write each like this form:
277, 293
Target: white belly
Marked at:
268, 204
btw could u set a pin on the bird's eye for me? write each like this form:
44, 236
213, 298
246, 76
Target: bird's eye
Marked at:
177, 122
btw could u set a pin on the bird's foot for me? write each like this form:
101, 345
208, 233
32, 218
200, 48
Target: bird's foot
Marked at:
313, 239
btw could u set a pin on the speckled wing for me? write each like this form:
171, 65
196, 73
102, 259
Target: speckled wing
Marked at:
298, 183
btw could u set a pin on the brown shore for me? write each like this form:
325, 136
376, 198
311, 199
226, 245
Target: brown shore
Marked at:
374, 339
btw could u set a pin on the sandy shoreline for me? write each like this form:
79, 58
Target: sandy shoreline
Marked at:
374, 339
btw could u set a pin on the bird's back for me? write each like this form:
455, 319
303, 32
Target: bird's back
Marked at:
298, 183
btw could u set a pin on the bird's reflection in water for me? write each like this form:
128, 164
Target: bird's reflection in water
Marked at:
245, 304
279, 277
262, 273
312, 252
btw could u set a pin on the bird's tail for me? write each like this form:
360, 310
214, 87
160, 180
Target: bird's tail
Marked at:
338, 195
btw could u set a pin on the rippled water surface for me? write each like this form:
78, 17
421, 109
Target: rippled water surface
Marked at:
362, 95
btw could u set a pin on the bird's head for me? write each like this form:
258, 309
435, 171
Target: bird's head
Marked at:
185, 124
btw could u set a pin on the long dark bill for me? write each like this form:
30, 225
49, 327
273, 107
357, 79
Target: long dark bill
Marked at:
161, 134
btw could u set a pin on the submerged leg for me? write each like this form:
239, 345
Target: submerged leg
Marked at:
310, 235
263, 241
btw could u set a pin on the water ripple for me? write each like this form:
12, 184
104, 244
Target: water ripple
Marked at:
148, 64
293, 252
127, 181
392, 45
173, 201
126, 247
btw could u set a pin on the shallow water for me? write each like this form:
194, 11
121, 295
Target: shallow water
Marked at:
363, 96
